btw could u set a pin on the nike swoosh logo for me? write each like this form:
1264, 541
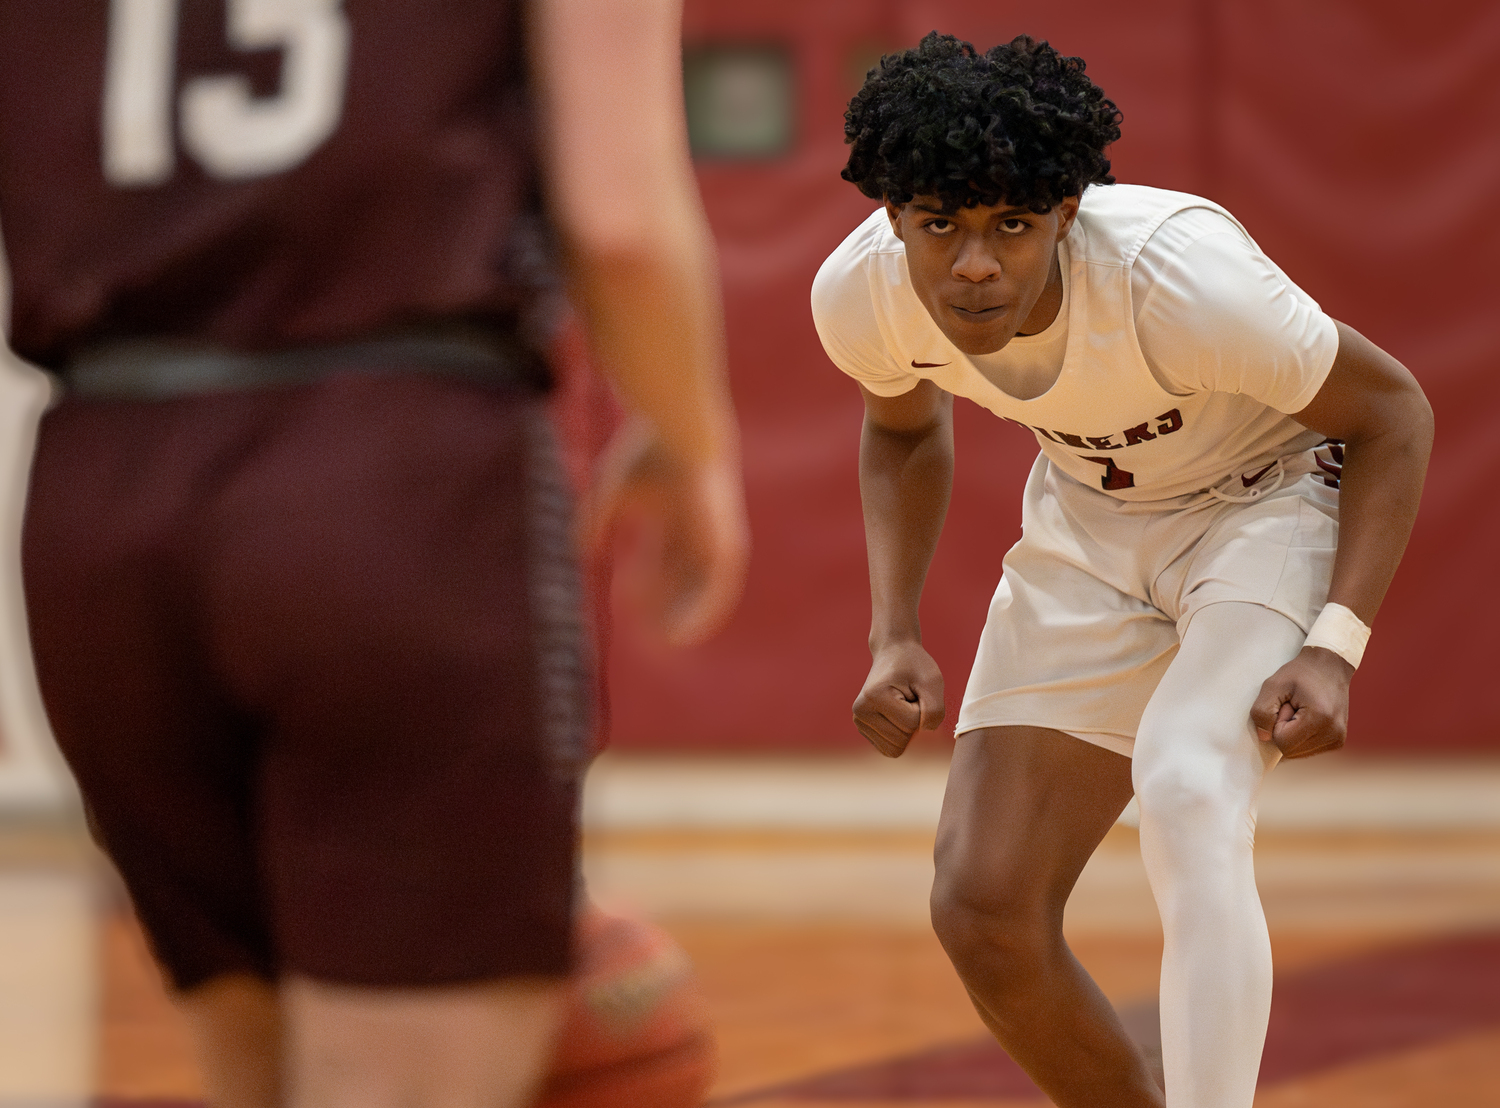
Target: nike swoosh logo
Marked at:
928, 365
1248, 481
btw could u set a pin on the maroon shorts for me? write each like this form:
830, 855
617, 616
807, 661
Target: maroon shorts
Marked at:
314, 654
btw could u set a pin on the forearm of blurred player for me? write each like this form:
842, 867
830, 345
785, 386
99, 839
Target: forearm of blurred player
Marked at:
644, 278
640, 254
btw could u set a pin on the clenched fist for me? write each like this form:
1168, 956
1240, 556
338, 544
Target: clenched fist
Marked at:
902, 695
1304, 706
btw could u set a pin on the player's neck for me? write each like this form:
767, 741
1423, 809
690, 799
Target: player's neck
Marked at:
1047, 305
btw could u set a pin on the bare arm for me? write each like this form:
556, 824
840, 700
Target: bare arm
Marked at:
905, 479
643, 275
1373, 403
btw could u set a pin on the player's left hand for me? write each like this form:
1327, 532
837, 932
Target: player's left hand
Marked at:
689, 570
1304, 706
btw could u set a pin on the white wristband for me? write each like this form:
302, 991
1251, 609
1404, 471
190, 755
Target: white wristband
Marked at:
1341, 631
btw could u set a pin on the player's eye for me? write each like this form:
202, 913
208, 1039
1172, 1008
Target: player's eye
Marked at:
940, 227
1013, 226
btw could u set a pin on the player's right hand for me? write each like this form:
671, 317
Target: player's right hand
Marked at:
689, 571
902, 695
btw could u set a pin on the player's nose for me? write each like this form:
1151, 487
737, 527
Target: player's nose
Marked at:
975, 261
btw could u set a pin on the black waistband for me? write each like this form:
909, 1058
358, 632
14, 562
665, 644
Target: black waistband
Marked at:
151, 369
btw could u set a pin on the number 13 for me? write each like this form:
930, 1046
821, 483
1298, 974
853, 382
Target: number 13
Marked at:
230, 132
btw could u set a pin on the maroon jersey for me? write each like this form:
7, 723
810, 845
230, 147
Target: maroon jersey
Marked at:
263, 173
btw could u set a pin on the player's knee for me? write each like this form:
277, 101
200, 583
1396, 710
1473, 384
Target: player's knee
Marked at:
1000, 953
1184, 795
998, 933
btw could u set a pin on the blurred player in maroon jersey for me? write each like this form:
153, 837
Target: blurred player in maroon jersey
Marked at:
297, 551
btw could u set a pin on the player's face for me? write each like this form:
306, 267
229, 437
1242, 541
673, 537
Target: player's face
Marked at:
987, 273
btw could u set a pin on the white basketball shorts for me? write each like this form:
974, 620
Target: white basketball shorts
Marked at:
1095, 597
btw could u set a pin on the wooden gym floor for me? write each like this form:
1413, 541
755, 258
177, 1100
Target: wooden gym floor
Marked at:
805, 919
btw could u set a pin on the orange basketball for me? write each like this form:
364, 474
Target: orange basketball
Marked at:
637, 1032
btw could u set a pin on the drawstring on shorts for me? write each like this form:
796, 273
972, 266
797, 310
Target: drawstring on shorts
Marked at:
1326, 460
1256, 489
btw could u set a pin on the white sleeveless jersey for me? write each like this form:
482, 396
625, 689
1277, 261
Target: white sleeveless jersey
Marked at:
1106, 420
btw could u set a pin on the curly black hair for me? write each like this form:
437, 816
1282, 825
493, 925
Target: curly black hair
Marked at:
1020, 124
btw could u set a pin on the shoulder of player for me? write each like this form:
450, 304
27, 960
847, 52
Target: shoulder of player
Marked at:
872, 237
1115, 222
845, 273
1186, 228
845, 311
1123, 199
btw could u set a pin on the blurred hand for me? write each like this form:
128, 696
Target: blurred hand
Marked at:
691, 570
1304, 706
902, 695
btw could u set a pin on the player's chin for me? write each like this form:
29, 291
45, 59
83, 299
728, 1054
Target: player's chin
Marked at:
978, 336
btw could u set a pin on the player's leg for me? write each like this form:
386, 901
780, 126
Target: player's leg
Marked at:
235, 1024
472, 1046
311, 1044
1024, 810
164, 763
1198, 767
409, 621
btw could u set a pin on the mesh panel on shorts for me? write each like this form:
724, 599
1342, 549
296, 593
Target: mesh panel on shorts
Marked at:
563, 658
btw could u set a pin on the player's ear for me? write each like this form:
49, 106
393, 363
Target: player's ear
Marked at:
1067, 211
893, 213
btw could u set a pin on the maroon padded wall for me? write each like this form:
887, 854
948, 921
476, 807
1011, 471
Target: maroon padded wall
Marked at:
1356, 144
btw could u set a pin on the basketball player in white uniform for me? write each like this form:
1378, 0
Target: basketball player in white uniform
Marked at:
1192, 590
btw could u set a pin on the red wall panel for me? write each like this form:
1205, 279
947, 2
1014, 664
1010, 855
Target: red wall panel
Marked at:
1358, 148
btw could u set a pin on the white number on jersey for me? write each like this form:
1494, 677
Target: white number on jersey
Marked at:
139, 70
230, 132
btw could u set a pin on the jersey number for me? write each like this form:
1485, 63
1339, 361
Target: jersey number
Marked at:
229, 131
1114, 477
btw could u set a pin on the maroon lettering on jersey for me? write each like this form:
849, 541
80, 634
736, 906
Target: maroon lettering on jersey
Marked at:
1103, 442
1329, 456
1070, 440
1114, 477
1170, 421
1137, 434
259, 175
